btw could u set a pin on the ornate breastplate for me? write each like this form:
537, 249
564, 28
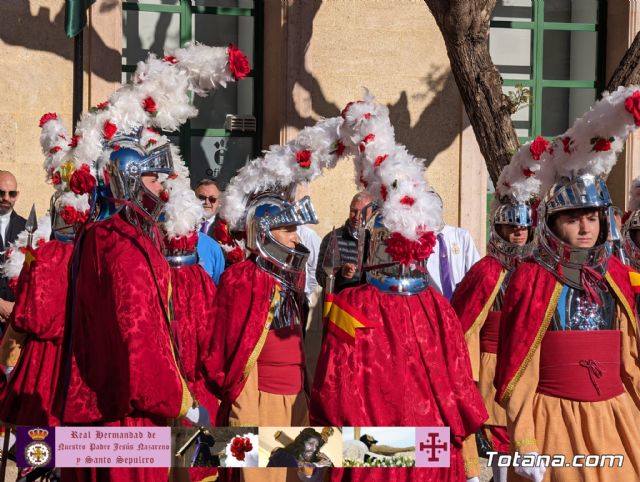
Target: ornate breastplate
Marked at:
576, 312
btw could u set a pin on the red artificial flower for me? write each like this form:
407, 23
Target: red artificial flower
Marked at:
380, 160
102, 105
236, 255
407, 201
82, 181
109, 130
40, 242
115, 147
240, 446
56, 179
537, 147
151, 129
304, 158
238, 62
164, 196
367, 115
632, 104
363, 144
566, 143
71, 216
55, 149
74, 141
171, 59
338, 148
406, 251
151, 142
600, 144
149, 105
423, 247
383, 192
173, 175
182, 243
47, 117
528, 172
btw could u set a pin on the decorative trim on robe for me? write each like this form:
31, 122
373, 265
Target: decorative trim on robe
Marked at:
482, 316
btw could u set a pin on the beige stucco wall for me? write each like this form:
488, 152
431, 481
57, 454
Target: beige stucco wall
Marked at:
332, 49
36, 77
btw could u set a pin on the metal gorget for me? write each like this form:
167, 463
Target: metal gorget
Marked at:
575, 312
508, 254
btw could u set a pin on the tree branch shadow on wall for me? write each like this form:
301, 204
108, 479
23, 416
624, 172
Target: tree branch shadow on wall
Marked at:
439, 84
20, 28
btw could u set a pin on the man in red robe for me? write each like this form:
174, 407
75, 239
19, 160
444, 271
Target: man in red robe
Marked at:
478, 300
125, 369
395, 356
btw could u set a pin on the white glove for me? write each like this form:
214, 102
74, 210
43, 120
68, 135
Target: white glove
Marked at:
536, 474
7, 372
473, 479
199, 416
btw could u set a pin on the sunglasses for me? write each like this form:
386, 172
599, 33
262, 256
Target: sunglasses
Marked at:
11, 193
211, 199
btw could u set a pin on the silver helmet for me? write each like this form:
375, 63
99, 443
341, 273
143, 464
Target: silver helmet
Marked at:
566, 262
127, 164
629, 246
269, 210
388, 275
511, 213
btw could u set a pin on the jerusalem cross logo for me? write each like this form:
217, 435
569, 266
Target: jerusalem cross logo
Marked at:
433, 446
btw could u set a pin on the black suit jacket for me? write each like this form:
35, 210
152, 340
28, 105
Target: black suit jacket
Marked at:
16, 226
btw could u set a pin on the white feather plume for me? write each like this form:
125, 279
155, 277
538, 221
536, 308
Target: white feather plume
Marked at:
279, 167
392, 175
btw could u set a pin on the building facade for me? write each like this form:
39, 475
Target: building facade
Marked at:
309, 58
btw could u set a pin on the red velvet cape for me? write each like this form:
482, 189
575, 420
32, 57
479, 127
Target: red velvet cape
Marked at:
123, 362
40, 312
529, 303
193, 301
412, 369
242, 303
475, 294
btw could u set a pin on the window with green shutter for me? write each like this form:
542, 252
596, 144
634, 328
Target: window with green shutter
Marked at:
227, 131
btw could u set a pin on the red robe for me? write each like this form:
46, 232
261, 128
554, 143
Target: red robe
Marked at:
475, 294
40, 313
124, 370
193, 298
523, 323
411, 369
243, 299
193, 301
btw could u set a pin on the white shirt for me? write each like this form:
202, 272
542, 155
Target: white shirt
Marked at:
4, 224
207, 223
311, 241
461, 253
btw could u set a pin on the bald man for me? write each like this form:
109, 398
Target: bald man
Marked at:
11, 224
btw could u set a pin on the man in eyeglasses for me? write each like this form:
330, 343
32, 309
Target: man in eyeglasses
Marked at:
11, 224
208, 192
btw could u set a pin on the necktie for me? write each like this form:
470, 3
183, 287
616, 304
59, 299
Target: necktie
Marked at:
445, 271
203, 228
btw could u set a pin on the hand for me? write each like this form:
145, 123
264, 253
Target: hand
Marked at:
536, 474
7, 372
348, 270
6, 307
199, 416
